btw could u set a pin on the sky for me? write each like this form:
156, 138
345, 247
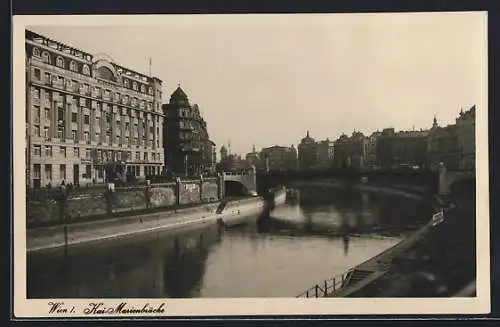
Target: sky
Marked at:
267, 79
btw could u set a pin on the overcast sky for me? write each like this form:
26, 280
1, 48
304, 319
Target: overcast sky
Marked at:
267, 79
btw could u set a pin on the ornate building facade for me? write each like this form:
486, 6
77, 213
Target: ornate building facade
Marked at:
466, 138
279, 157
442, 146
188, 148
350, 151
307, 152
88, 119
325, 153
403, 148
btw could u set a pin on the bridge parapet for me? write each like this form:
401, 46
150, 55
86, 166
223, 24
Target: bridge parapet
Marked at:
246, 177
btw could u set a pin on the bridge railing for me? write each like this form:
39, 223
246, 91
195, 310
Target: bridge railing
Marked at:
328, 287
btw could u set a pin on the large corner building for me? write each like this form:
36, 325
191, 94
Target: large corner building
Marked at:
188, 148
88, 119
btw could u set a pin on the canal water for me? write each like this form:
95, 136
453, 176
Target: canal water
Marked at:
315, 236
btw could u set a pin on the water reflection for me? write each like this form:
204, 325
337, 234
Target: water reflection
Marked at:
317, 235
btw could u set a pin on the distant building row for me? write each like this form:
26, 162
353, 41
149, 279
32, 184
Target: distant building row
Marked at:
453, 145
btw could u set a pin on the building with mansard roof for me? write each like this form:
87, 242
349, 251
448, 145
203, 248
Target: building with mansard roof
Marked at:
88, 119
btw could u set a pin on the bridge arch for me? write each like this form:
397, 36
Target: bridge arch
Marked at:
242, 179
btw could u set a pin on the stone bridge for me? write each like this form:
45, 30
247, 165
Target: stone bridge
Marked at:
435, 182
247, 178
448, 180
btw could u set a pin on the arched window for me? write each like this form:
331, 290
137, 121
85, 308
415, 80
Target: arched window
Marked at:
125, 81
143, 88
36, 52
46, 57
86, 69
60, 62
134, 86
73, 66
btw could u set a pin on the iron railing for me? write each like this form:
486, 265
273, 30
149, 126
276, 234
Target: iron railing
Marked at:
329, 286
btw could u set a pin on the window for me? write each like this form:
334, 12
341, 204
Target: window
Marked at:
86, 69
86, 119
46, 57
86, 136
88, 171
150, 91
134, 86
36, 52
62, 171
60, 114
137, 156
153, 156
76, 152
46, 132
60, 62
47, 113
37, 150
37, 73
73, 66
62, 151
48, 151
118, 155
36, 131
143, 88
129, 156
36, 171
73, 135
60, 132
87, 153
48, 172
73, 117
145, 156
126, 82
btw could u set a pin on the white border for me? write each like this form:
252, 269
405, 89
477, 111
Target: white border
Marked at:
247, 306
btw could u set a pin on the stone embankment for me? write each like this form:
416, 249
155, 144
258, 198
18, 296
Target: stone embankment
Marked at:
436, 260
229, 213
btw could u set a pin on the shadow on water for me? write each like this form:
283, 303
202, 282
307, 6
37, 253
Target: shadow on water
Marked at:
175, 264
157, 265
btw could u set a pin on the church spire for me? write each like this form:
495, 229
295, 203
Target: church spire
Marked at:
434, 122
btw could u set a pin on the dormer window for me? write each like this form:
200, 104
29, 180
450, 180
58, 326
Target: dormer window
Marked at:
73, 66
60, 62
86, 69
46, 57
36, 52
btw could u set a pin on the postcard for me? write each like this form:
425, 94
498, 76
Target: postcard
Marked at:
208, 165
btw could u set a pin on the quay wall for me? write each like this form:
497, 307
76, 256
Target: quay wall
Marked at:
49, 207
81, 233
